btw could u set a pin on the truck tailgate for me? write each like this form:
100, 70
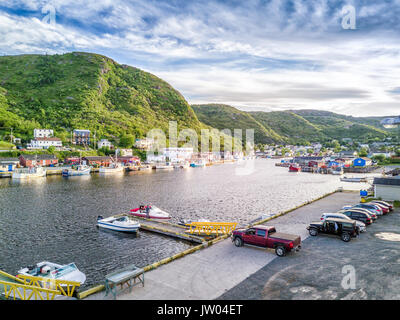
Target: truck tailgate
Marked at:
286, 236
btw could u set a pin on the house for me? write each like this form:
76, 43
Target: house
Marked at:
43, 133
348, 154
72, 160
347, 162
177, 154
129, 160
81, 137
97, 160
44, 143
387, 188
8, 164
124, 152
362, 162
306, 160
30, 160
144, 144
17, 140
104, 143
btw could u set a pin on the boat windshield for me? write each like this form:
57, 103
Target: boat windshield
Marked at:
66, 269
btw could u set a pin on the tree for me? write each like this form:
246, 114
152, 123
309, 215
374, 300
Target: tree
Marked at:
127, 141
363, 152
51, 149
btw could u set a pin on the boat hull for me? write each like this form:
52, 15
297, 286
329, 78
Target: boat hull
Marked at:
72, 172
143, 215
110, 226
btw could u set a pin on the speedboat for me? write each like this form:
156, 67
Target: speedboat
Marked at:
50, 270
200, 163
113, 168
79, 170
124, 224
28, 173
150, 212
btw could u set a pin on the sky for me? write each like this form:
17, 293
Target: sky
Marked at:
339, 56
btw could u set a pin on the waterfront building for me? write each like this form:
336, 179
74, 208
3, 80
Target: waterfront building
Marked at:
30, 160
144, 144
129, 160
81, 137
8, 164
97, 160
178, 154
43, 133
104, 143
44, 143
362, 162
387, 188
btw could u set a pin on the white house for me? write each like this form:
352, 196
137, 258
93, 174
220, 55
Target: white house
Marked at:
43, 133
104, 143
144, 144
124, 152
44, 143
178, 154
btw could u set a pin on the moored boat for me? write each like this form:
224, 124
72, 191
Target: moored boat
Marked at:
114, 167
166, 166
354, 179
294, 168
200, 163
29, 173
150, 212
50, 270
123, 224
79, 170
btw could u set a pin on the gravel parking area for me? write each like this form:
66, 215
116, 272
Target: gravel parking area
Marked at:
326, 266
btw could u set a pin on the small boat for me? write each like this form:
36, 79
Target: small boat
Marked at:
184, 165
200, 163
353, 179
124, 224
114, 167
166, 166
150, 212
294, 168
145, 168
50, 270
79, 170
184, 222
29, 173
337, 171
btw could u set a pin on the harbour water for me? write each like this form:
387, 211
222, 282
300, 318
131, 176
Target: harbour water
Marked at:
54, 218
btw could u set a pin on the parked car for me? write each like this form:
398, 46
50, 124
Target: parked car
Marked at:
342, 227
370, 207
359, 224
383, 205
356, 214
267, 237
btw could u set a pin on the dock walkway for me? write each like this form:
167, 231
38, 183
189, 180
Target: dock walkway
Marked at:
207, 274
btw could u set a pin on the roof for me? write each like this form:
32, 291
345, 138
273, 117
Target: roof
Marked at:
387, 181
339, 220
9, 160
38, 156
97, 158
82, 130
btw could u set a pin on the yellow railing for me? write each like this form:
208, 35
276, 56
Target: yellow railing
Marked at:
25, 292
65, 288
211, 228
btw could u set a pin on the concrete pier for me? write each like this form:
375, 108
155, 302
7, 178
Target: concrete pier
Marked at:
209, 273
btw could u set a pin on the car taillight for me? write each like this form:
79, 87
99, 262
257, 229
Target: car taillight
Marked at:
291, 245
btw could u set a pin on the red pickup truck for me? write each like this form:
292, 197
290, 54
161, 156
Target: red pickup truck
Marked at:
267, 237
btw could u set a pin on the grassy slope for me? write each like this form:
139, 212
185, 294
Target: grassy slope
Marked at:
226, 117
82, 90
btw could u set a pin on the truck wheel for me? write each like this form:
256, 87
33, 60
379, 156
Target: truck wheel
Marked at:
346, 237
280, 251
238, 242
313, 232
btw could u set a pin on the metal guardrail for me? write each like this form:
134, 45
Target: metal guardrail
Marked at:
211, 228
65, 288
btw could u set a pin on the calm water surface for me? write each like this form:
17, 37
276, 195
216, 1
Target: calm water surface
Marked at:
54, 218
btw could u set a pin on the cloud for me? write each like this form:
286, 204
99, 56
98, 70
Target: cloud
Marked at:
268, 54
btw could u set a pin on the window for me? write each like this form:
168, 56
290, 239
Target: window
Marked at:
261, 233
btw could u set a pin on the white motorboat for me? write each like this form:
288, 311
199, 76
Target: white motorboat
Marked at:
124, 224
183, 165
145, 168
150, 212
353, 179
166, 166
29, 173
114, 167
79, 170
200, 163
50, 270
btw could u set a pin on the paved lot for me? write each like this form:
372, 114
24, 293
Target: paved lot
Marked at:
316, 272
209, 273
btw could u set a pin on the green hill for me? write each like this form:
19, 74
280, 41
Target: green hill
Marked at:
87, 91
226, 117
